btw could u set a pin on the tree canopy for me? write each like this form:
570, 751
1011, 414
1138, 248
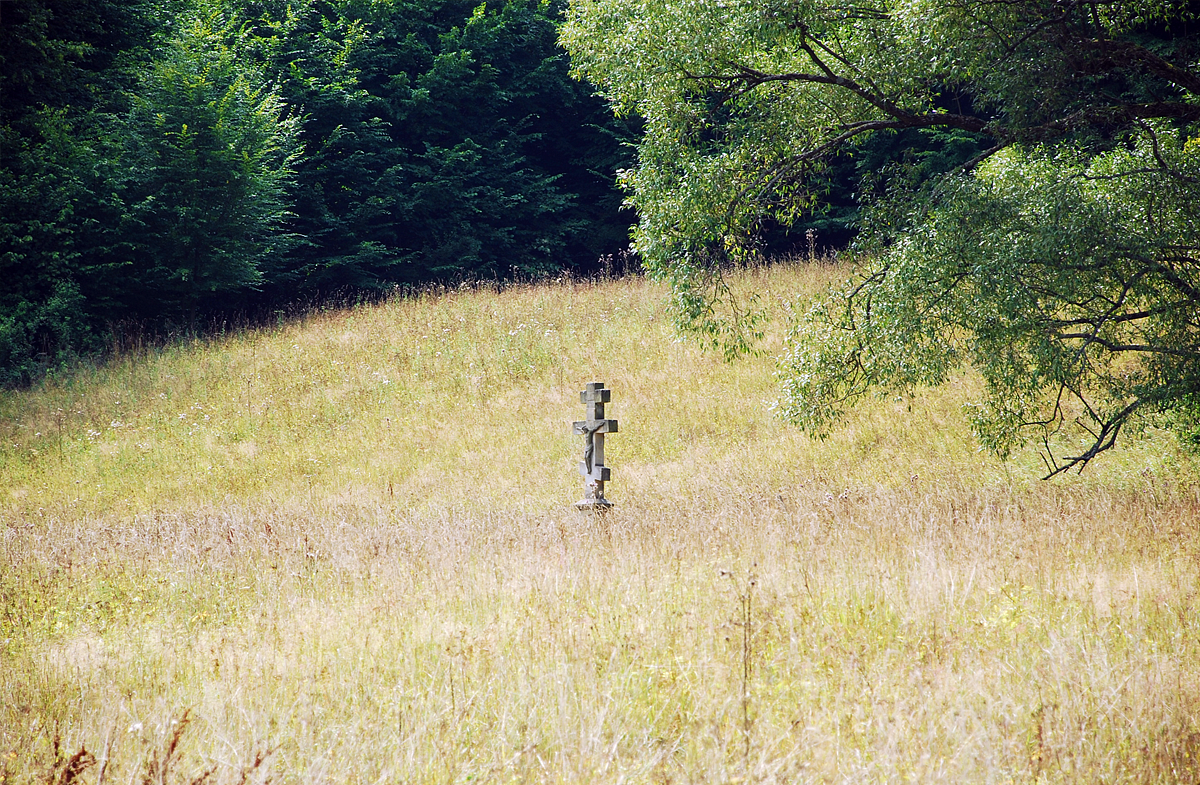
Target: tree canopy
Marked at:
1051, 242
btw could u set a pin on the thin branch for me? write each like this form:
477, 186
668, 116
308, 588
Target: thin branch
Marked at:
977, 160
1037, 28
1154, 64
1142, 348
752, 78
1105, 438
1185, 287
1115, 319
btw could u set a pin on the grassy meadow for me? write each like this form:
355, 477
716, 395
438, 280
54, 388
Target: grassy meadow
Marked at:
343, 550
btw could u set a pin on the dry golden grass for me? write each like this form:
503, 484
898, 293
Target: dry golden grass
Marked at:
343, 550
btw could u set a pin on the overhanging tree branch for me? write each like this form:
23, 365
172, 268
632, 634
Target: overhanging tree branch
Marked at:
1071, 263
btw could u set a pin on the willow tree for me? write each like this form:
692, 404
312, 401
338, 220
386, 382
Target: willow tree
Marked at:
1062, 261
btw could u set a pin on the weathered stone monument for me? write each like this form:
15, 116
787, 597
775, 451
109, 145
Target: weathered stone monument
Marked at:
593, 429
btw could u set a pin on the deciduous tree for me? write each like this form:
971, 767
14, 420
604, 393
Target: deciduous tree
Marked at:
1062, 261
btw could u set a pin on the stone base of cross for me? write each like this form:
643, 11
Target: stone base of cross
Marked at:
592, 467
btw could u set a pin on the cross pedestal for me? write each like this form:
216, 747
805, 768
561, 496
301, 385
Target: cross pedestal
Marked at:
593, 429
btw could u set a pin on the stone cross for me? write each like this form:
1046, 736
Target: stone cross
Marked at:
592, 467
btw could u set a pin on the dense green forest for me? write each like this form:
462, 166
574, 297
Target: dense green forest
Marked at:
166, 162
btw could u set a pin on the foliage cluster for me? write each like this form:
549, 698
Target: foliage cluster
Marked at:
1043, 228
161, 160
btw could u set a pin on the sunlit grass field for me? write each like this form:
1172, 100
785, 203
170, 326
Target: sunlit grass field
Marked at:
343, 549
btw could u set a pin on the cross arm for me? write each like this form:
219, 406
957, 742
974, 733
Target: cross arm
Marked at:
584, 427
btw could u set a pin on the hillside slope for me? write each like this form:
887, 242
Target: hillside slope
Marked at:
343, 549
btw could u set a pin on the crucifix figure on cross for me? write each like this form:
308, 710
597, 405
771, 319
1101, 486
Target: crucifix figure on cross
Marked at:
592, 467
